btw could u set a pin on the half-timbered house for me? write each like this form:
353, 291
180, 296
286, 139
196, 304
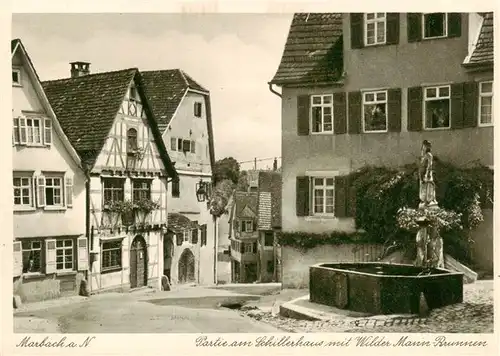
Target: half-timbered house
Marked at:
181, 108
108, 121
50, 246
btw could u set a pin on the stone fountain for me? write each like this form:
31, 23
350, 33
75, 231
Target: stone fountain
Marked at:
388, 288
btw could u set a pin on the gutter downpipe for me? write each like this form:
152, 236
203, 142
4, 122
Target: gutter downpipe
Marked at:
87, 226
273, 91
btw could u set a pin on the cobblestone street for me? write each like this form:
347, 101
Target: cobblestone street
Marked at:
474, 315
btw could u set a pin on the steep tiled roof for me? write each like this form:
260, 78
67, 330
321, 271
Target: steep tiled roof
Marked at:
87, 106
313, 50
483, 51
244, 200
178, 222
270, 182
165, 89
13, 44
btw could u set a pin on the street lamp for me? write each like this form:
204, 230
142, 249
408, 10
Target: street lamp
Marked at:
201, 191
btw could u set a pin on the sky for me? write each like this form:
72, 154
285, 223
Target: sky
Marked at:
234, 56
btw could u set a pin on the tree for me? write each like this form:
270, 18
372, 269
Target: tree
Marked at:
242, 185
220, 197
226, 168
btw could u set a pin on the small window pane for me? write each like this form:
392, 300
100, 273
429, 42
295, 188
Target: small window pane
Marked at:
329, 181
445, 91
327, 99
381, 96
369, 97
316, 112
59, 243
430, 92
380, 14
370, 16
316, 100
318, 181
68, 243
486, 88
437, 114
17, 182
36, 245
380, 32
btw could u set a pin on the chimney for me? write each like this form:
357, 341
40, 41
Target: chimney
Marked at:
275, 165
79, 69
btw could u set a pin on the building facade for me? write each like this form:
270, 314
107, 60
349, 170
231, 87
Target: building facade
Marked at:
108, 120
182, 109
371, 87
50, 243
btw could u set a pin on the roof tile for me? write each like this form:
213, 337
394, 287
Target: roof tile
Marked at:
483, 52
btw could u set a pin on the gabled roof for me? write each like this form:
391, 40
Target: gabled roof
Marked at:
483, 49
87, 107
313, 50
165, 89
17, 45
269, 200
244, 201
178, 223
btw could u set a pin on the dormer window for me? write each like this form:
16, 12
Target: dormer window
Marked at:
16, 77
435, 25
197, 109
132, 140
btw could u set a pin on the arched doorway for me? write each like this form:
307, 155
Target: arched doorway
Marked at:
186, 267
168, 253
138, 263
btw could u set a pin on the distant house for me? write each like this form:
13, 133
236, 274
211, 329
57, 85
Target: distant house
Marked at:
108, 120
48, 182
181, 107
369, 89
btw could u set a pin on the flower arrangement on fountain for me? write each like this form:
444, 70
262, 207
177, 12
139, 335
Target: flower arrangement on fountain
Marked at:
437, 218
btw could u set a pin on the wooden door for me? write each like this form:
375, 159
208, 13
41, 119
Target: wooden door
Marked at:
186, 267
138, 263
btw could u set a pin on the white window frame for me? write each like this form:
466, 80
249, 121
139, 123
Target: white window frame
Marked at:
19, 82
437, 97
324, 187
375, 101
486, 95
186, 236
110, 250
41, 126
248, 247
64, 248
246, 224
375, 21
31, 191
53, 187
322, 105
445, 25
42, 262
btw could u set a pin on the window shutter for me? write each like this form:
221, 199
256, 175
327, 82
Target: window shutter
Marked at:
302, 203
40, 189
303, 115
242, 247
394, 107
357, 30
68, 188
22, 130
355, 112
414, 24
47, 138
15, 131
193, 144
339, 113
194, 236
471, 98
457, 106
254, 247
173, 144
50, 256
186, 145
454, 24
179, 238
179, 144
341, 196
82, 253
18, 259
392, 28
415, 109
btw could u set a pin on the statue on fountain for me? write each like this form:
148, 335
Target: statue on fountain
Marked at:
429, 243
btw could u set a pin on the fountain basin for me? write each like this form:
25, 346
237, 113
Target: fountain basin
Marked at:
383, 288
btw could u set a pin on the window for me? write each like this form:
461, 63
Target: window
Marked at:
268, 239
134, 95
16, 77
323, 196
375, 111
132, 139
176, 188
197, 109
248, 247
270, 266
435, 25
186, 236
111, 255
375, 28
53, 191
22, 191
32, 256
485, 103
34, 130
141, 189
322, 113
437, 107
173, 144
64, 255
247, 226
113, 189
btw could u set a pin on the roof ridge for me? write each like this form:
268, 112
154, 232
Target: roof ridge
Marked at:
91, 75
183, 77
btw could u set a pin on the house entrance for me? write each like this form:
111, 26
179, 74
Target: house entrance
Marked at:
138, 263
186, 267
168, 253
250, 272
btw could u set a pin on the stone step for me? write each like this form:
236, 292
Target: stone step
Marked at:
453, 265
